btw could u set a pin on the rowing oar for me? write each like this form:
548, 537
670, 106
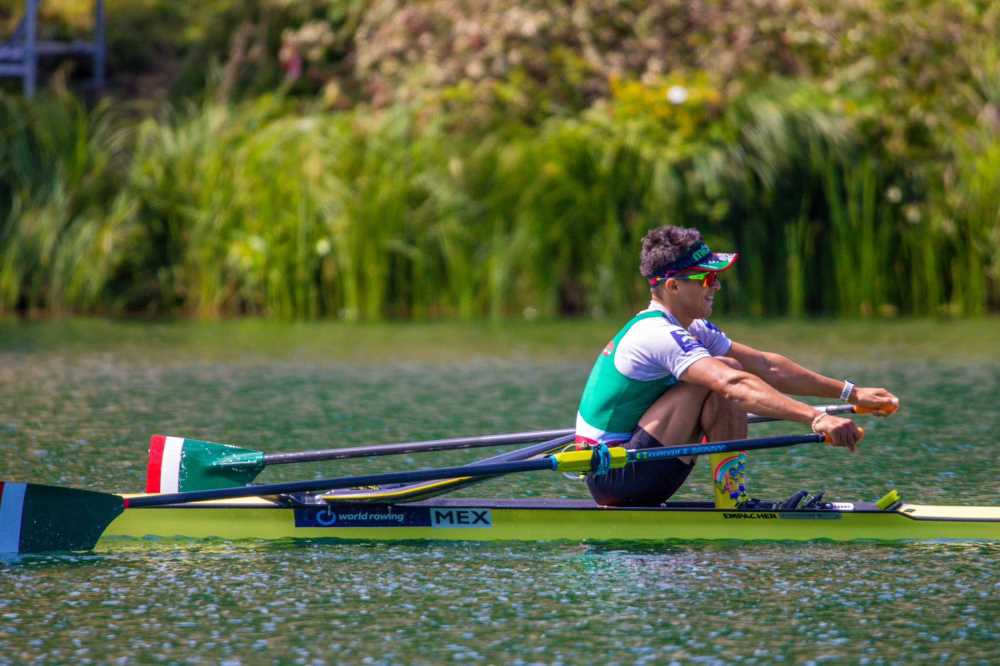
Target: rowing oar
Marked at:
179, 464
37, 518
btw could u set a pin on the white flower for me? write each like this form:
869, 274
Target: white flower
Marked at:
677, 94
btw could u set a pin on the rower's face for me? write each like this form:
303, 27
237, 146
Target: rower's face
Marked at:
696, 299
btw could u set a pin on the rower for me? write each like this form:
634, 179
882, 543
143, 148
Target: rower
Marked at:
670, 376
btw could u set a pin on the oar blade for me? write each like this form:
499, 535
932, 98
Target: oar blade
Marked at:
180, 464
36, 518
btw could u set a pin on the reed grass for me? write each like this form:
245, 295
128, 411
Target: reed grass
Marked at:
62, 223
259, 208
975, 230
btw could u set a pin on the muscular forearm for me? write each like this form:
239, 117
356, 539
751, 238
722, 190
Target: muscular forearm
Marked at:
754, 394
787, 376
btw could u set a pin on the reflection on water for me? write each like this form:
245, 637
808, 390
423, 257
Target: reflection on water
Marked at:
84, 418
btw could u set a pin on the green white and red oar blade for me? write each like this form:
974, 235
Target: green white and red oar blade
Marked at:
177, 464
36, 518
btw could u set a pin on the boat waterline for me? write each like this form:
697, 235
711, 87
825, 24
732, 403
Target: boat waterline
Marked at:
549, 520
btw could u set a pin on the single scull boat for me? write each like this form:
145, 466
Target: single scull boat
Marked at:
550, 520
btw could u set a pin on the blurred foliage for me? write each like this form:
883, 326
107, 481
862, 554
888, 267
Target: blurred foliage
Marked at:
161, 49
65, 229
250, 208
488, 158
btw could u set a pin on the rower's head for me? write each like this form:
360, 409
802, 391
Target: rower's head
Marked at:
682, 271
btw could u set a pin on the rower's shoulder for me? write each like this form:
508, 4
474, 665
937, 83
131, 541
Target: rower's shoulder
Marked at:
705, 325
651, 318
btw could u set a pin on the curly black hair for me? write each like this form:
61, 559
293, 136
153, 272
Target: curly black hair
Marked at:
663, 246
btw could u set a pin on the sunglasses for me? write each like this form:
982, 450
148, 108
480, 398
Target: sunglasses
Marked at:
707, 279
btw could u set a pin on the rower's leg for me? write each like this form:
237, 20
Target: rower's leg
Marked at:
682, 415
687, 411
722, 419
675, 418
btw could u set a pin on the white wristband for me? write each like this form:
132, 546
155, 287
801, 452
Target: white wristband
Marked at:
845, 393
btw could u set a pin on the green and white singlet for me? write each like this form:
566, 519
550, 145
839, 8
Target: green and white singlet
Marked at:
648, 356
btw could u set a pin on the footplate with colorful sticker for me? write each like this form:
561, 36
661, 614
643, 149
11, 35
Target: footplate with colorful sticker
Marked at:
729, 476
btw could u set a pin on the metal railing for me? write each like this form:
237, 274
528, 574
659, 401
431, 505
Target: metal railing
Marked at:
20, 54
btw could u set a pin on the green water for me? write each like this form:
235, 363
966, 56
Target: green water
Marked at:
78, 402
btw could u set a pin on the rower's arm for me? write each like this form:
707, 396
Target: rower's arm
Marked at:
747, 390
784, 374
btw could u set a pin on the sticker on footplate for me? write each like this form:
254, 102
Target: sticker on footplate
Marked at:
392, 516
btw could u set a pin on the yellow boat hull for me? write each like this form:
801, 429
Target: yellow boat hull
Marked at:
549, 520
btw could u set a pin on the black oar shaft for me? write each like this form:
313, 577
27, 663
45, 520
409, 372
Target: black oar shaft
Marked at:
457, 443
829, 409
454, 443
480, 470
723, 446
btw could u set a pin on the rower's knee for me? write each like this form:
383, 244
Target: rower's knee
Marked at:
674, 417
716, 405
718, 409
683, 397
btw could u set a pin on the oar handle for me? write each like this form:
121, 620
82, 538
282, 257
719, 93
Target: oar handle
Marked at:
877, 411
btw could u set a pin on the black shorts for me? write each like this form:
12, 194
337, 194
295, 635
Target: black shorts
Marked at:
649, 483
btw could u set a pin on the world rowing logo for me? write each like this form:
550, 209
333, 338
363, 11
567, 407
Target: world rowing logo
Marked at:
326, 517
354, 516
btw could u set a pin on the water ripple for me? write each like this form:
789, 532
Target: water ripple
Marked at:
84, 419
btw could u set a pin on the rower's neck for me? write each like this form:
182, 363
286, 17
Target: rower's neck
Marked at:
681, 319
